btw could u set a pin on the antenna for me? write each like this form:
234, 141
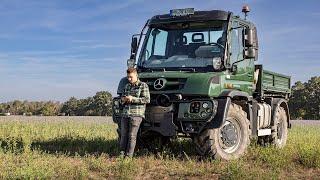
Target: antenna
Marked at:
245, 10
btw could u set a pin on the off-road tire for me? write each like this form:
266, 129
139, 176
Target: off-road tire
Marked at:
210, 143
279, 130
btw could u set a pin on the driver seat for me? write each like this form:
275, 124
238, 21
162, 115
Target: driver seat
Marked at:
197, 41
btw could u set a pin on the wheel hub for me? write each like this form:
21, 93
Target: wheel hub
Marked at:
229, 135
279, 131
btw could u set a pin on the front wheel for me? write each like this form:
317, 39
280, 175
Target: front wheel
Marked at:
230, 141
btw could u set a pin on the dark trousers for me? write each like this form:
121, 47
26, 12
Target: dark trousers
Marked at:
129, 130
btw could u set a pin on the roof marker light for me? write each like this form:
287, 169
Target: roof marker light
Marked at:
182, 12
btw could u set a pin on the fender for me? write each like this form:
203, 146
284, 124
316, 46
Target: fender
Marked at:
222, 112
283, 103
234, 93
224, 101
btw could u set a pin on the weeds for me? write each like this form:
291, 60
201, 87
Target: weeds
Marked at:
69, 149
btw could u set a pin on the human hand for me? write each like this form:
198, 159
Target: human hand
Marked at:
123, 99
126, 99
129, 98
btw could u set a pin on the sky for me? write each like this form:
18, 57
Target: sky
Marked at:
55, 49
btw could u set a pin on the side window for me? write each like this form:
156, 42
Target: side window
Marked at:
215, 35
148, 48
236, 43
157, 43
160, 46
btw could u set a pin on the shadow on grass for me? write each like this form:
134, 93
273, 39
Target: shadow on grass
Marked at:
72, 146
178, 148
78, 146
64, 145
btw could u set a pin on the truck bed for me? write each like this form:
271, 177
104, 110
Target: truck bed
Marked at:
272, 83
275, 83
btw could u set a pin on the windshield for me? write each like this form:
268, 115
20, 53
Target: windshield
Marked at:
184, 45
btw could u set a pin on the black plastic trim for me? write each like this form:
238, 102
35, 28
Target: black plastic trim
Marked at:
234, 93
222, 112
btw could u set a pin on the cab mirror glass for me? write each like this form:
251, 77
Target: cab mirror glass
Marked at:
134, 44
248, 37
249, 53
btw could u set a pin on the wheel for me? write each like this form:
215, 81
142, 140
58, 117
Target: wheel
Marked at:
230, 141
279, 131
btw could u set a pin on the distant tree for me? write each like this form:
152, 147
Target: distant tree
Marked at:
50, 109
98, 105
312, 89
17, 107
297, 100
70, 107
102, 103
305, 99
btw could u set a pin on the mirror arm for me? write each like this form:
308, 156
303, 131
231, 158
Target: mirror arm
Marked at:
235, 63
236, 28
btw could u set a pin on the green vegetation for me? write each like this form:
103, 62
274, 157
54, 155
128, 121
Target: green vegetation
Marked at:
59, 147
305, 99
98, 105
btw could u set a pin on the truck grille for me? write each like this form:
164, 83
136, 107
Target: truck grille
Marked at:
171, 84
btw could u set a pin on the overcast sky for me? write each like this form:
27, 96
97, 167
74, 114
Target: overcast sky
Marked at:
55, 49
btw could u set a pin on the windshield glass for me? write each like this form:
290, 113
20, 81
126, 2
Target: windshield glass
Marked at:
184, 45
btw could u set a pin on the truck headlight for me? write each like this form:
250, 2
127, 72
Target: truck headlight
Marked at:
205, 105
216, 62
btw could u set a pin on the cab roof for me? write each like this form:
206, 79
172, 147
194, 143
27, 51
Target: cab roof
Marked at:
197, 16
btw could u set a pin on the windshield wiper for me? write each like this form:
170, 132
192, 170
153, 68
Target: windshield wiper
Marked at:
152, 69
187, 69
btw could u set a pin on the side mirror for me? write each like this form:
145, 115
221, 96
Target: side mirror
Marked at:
248, 37
250, 43
134, 45
250, 52
130, 63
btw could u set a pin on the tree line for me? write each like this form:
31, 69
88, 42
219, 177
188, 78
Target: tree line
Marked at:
304, 103
305, 99
98, 105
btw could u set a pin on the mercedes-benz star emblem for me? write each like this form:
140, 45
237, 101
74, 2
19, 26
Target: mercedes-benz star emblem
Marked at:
159, 83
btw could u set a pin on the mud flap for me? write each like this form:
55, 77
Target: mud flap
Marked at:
222, 112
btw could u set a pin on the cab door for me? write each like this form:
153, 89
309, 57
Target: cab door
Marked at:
241, 75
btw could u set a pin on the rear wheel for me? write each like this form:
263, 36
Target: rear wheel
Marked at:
230, 141
279, 130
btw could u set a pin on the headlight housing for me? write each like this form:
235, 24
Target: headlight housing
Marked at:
217, 63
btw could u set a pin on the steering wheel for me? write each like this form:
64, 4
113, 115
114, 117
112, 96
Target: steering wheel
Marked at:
217, 44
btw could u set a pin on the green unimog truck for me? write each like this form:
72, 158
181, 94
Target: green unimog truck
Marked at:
205, 84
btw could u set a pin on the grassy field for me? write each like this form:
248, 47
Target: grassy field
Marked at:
86, 148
